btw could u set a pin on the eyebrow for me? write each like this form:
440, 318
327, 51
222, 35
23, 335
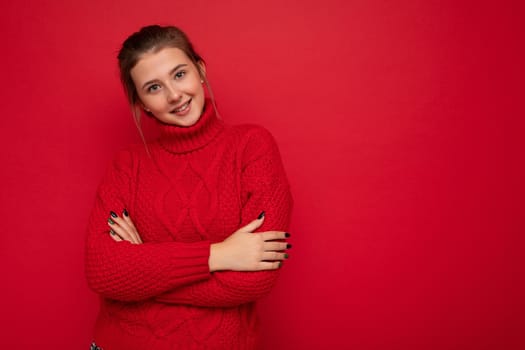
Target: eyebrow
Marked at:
170, 73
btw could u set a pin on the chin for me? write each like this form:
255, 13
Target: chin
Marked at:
186, 121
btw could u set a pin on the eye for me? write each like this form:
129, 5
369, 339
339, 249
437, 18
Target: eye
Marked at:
153, 87
180, 74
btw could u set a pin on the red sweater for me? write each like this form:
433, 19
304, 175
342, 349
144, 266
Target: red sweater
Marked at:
200, 184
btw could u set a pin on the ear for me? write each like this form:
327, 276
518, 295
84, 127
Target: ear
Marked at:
139, 104
201, 66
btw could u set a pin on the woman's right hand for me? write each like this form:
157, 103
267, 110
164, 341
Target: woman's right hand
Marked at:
245, 250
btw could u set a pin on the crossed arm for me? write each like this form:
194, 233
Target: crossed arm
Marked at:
241, 269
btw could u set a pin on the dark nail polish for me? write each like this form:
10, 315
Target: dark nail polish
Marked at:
286, 234
261, 215
111, 221
288, 246
111, 232
280, 263
113, 214
286, 256
125, 212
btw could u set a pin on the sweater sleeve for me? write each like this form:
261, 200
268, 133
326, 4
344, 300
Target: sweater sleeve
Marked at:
264, 186
132, 272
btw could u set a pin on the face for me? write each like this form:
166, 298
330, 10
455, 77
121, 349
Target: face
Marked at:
169, 86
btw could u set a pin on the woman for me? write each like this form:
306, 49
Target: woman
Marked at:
188, 230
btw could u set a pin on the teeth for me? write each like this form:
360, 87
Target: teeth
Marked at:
181, 108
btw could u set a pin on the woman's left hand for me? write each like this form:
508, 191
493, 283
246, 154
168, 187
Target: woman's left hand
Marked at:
122, 228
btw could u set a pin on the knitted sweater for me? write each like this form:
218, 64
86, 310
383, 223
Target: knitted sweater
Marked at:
198, 185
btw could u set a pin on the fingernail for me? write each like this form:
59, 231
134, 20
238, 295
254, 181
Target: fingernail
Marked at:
125, 212
111, 232
261, 215
288, 246
111, 221
286, 234
113, 214
280, 263
286, 256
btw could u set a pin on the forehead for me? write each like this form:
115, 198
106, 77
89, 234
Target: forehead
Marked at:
155, 65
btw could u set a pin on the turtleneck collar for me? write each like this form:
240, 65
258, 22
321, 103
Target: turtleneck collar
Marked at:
178, 139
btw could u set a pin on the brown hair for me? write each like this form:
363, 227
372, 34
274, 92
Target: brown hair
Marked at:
153, 38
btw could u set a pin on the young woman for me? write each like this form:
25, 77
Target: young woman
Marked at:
188, 231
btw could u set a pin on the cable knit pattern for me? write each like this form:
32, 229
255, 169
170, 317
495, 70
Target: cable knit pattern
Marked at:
198, 185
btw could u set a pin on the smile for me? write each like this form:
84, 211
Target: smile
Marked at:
182, 108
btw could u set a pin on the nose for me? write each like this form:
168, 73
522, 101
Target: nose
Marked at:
173, 94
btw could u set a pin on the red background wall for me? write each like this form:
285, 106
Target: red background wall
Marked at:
400, 124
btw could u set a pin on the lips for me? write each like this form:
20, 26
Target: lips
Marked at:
181, 107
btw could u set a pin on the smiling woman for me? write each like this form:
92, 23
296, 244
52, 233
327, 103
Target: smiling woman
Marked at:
189, 230
170, 86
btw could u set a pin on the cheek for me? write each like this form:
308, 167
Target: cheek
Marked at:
199, 89
152, 102
195, 86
